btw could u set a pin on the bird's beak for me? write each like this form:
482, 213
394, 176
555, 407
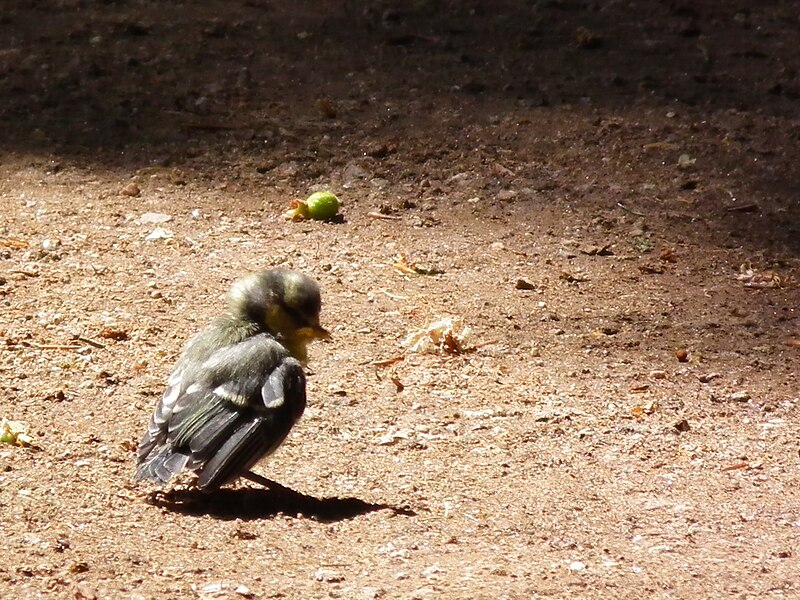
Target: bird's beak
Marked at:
315, 332
321, 333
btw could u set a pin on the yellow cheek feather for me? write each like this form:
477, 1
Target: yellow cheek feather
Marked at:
296, 340
277, 320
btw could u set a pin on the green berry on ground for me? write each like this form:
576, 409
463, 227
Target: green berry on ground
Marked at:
322, 206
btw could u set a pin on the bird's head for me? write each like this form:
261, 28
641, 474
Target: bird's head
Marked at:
284, 303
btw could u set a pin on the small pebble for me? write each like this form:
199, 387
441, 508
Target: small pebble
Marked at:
131, 190
371, 593
740, 396
705, 378
524, 285
506, 195
159, 233
682, 426
328, 575
152, 218
686, 162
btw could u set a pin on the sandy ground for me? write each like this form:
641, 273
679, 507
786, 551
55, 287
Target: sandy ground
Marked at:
604, 193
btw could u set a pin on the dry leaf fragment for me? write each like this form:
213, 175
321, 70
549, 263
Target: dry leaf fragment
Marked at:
755, 279
114, 333
404, 265
668, 255
448, 335
648, 409
451, 343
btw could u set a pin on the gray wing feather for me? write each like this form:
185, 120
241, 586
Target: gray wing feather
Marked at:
162, 467
236, 407
157, 428
248, 444
284, 398
171, 466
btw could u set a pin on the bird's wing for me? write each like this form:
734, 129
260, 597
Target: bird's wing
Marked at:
190, 369
157, 429
240, 407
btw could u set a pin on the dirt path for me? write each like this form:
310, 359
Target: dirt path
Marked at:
604, 193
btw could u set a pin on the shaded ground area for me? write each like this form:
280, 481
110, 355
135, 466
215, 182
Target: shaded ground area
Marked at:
605, 193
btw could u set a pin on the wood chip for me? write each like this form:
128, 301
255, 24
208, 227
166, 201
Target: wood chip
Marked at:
752, 207
13, 243
387, 362
397, 383
377, 215
736, 467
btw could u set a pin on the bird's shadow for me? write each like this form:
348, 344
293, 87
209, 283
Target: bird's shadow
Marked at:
249, 503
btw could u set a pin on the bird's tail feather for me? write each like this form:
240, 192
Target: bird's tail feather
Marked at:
161, 467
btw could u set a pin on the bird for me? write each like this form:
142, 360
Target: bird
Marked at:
239, 386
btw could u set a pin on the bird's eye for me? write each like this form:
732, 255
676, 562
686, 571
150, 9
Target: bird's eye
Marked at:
296, 318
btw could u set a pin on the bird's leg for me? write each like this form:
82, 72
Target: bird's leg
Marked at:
267, 483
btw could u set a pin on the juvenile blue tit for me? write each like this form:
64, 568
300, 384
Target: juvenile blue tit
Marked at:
239, 386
